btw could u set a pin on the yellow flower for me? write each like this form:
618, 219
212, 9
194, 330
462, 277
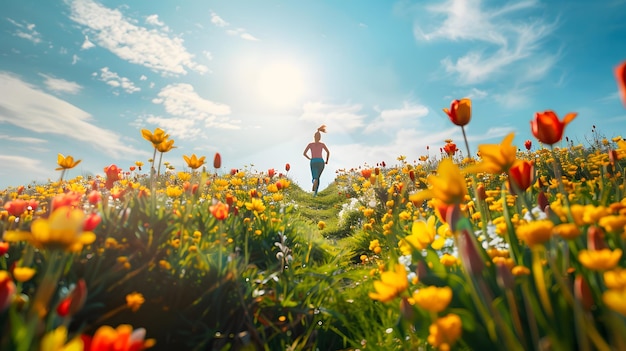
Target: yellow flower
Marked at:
599, 260
66, 162
155, 138
567, 231
448, 260
520, 270
55, 340
390, 285
134, 301
615, 279
422, 235
534, 233
448, 185
496, 158
613, 224
23, 274
255, 205
165, 146
321, 225
194, 162
445, 331
615, 299
375, 246
62, 230
173, 191
433, 299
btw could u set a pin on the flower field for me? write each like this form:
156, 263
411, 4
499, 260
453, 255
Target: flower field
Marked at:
515, 248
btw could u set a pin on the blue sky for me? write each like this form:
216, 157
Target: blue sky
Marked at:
253, 80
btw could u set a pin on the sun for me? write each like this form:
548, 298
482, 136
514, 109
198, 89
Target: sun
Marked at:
280, 84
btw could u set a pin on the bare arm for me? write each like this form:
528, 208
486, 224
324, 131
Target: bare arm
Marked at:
308, 147
327, 153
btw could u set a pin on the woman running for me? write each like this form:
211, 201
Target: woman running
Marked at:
317, 161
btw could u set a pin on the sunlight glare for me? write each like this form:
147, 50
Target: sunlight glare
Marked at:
281, 84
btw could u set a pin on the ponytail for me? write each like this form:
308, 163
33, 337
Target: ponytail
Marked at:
322, 128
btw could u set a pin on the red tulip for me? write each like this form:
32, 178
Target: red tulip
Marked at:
460, 111
528, 144
217, 160
16, 207
450, 149
521, 176
620, 75
547, 127
287, 167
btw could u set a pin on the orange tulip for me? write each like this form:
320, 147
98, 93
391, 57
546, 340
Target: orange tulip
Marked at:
547, 127
219, 210
620, 75
460, 111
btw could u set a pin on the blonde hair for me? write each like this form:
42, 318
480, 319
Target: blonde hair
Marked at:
322, 129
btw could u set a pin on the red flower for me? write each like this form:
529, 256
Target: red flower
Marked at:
450, 149
74, 301
4, 247
528, 144
16, 207
113, 174
219, 211
94, 197
366, 173
460, 111
521, 176
91, 222
547, 127
287, 167
217, 160
620, 75
271, 172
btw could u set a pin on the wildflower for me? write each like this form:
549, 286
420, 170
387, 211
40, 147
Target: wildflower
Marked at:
66, 162
547, 127
165, 146
615, 279
460, 111
450, 149
448, 260
445, 331
74, 300
287, 167
217, 160
194, 162
62, 230
122, 338
496, 158
16, 207
173, 191
134, 301
321, 225
4, 248
155, 138
528, 144
567, 231
57, 340
520, 270
391, 284
615, 299
255, 205
448, 185
219, 211
422, 235
535, 233
521, 176
113, 175
620, 76
375, 246
433, 299
599, 260
7, 290
23, 274
613, 224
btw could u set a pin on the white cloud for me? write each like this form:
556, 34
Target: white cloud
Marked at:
27, 107
508, 40
394, 119
114, 80
61, 85
190, 112
346, 116
154, 20
477, 94
151, 48
12, 164
207, 54
26, 31
87, 44
240, 32
143, 77
217, 20
24, 140
75, 59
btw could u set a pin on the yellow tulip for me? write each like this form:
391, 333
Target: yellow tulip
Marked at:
194, 162
155, 138
66, 162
